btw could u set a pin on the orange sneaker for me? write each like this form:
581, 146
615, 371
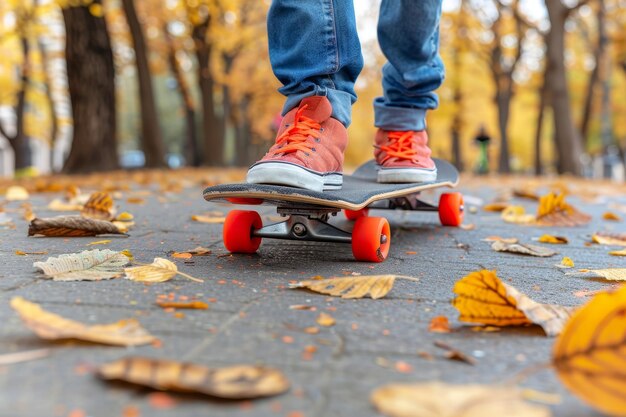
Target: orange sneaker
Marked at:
404, 157
308, 152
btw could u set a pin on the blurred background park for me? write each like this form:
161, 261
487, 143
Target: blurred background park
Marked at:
532, 86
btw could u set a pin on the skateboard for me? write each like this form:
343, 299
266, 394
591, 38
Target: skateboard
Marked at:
307, 212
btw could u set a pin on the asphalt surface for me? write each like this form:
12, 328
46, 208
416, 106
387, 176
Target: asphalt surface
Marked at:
374, 342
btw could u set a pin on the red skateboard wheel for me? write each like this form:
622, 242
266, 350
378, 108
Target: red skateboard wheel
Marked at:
451, 209
371, 239
355, 214
237, 232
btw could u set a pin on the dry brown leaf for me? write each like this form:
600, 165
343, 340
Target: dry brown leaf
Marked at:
182, 255
611, 274
22, 253
557, 240
483, 298
325, 320
54, 327
93, 265
611, 216
237, 382
436, 399
554, 211
524, 249
71, 226
207, 219
439, 324
618, 252
99, 206
526, 193
160, 270
377, 286
192, 305
517, 214
497, 207
589, 354
16, 193
199, 251
609, 239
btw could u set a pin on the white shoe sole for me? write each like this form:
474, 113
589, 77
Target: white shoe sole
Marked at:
401, 175
281, 173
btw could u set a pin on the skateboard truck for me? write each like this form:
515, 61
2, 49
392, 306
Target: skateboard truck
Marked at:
305, 224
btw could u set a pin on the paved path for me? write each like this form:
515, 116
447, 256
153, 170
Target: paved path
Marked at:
249, 316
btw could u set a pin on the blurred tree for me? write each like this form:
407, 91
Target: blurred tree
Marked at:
91, 83
151, 137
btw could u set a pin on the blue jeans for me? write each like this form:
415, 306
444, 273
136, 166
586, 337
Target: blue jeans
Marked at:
315, 50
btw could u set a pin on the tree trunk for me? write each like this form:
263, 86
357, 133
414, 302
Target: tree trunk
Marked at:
543, 93
503, 103
90, 76
191, 152
20, 143
54, 119
598, 55
151, 137
213, 138
566, 137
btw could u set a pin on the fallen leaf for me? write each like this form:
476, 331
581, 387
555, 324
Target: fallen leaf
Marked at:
128, 254
565, 263
160, 270
611, 274
16, 193
99, 206
182, 255
470, 226
124, 217
58, 205
589, 354
193, 305
377, 286
483, 298
22, 253
123, 227
554, 211
517, 214
199, 251
618, 252
524, 249
558, 240
135, 200
234, 383
609, 239
526, 193
99, 242
54, 327
71, 226
90, 265
496, 207
454, 354
611, 216
436, 399
207, 219
325, 320
439, 324
502, 239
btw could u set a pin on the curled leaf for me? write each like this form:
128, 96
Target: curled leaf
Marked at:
71, 226
554, 211
85, 266
589, 354
99, 206
523, 249
483, 298
557, 240
54, 327
609, 215
235, 382
609, 239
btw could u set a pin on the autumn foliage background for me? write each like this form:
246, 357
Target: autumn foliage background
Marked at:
86, 84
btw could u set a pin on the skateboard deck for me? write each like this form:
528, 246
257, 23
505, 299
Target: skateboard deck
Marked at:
359, 190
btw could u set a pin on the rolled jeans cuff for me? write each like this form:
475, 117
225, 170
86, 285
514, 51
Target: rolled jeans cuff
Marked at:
339, 100
400, 119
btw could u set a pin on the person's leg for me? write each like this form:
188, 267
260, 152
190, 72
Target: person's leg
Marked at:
408, 33
316, 54
315, 50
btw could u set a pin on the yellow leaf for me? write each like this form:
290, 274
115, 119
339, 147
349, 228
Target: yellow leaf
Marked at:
54, 327
85, 266
610, 239
124, 217
611, 216
325, 320
58, 205
127, 253
16, 193
160, 270
436, 399
207, 219
589, 354
503, 239
566, 263
237, 382
618, 252
99, 206
554, 211
123, 227
99, 242
377, 286
558, 240
517, 214
194, 305
483, 298
497, 207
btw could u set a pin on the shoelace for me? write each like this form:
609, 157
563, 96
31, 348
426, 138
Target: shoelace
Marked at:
400, 146
295, 137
